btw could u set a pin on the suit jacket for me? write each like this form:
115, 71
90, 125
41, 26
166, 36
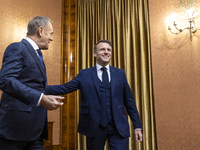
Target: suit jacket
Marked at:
22, 80
121, 98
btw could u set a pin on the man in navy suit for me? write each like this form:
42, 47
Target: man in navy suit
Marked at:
23, 105
105, 99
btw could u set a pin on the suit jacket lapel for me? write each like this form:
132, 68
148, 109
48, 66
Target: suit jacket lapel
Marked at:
35, 57
95, 80
113, 79
45, 77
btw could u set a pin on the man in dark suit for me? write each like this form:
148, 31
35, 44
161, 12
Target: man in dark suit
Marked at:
105, 99
23, 105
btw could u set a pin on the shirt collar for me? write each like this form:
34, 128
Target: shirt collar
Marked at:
99, 67
33, 44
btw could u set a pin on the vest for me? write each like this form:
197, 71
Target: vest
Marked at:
106, 106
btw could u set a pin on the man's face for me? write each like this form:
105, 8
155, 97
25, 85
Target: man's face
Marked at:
103, 53
46, 36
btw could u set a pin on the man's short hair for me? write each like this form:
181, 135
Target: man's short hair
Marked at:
101, 41
35, 23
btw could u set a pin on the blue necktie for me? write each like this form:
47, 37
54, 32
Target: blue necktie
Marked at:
105, 76
40, 56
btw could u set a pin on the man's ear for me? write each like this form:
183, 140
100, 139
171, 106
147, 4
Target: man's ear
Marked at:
40, 31
95, 54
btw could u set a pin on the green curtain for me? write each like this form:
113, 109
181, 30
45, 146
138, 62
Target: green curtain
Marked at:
126, 24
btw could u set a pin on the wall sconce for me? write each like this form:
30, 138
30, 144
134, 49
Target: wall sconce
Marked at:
172, 24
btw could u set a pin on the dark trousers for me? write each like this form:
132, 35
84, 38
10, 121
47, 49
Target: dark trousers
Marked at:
21, 145
115, 140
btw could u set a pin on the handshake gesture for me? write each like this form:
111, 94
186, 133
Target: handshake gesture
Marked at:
51, 102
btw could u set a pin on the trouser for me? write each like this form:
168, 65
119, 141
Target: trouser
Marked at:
21, 145
115, 140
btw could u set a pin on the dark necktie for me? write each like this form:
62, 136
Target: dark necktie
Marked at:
105, 76
40, 56
104, 108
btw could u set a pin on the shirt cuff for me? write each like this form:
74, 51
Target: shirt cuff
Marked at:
138, 129
40, 99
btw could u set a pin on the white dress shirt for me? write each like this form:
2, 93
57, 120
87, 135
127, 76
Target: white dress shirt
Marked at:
100, 72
